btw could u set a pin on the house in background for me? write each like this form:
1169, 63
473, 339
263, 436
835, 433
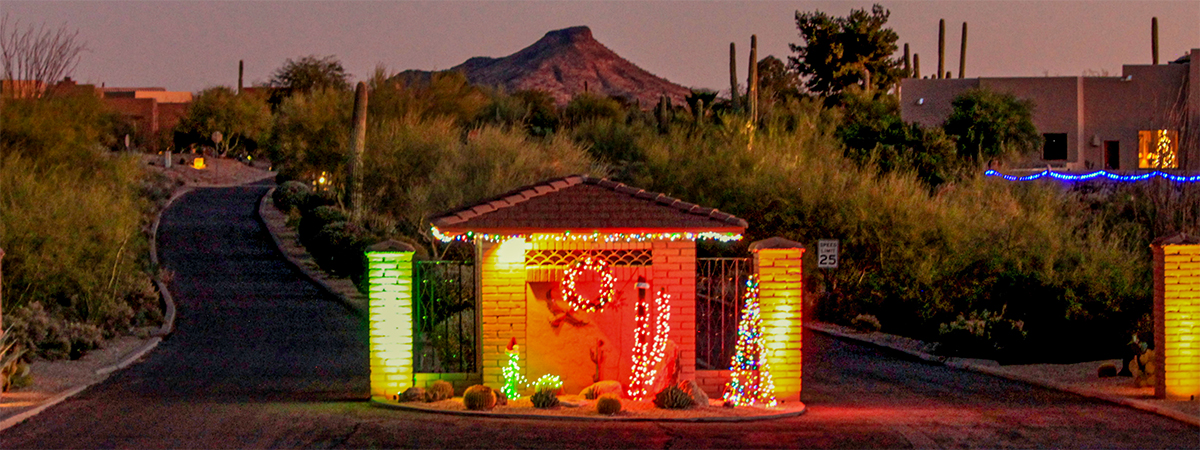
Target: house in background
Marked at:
1147, 118
150, 110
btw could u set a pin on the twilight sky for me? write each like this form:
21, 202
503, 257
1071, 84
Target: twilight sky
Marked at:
190, 45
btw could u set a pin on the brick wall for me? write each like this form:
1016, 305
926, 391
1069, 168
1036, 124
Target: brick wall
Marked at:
501, 304
1177, 320
713, 382
390, 316
675, 271
780, 302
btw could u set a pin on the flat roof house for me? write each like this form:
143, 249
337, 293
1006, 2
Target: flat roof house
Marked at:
1147, 118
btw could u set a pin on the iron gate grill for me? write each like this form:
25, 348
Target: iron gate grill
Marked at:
444, 316
720, 287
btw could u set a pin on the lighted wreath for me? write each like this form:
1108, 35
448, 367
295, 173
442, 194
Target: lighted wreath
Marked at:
571, 294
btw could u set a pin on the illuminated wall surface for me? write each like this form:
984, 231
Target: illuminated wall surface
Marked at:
391, 341
1177, 320
780, 301
1158, 149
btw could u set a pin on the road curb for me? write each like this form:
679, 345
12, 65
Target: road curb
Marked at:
300, 267
995, 371
388, 404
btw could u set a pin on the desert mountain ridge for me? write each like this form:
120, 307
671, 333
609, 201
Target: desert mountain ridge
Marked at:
565, 63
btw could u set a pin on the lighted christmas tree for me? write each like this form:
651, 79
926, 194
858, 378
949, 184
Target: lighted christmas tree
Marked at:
646, 353
512, 372
751, 381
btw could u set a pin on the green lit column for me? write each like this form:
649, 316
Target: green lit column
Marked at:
390, 272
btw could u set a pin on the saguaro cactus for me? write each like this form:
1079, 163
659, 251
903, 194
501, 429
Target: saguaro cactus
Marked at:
752, 91
1154, 38
359, 137
941, 47
916, 73
733, 90
962, 54
241, 71
907, 61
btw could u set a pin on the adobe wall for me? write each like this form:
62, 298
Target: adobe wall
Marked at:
1177, 321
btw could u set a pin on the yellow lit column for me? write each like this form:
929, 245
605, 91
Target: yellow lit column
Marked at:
390, 272
501, 306
781, 293
1177, 316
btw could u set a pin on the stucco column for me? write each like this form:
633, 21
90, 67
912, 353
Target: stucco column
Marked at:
390, 272
777, 261
1177, 316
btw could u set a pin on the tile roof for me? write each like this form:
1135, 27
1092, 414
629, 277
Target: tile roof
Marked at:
580, 203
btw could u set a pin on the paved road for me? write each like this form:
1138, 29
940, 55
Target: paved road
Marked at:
261, 358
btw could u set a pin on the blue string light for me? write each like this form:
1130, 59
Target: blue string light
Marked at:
1095, 175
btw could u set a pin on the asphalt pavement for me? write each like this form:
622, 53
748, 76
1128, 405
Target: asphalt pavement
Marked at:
261, 357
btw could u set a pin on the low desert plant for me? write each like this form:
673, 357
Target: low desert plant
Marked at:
545, 398
865, 322
672, 397
982, 334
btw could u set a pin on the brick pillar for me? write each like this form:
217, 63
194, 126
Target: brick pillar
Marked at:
674, 265
501, 274
390, 272
781, 293
1177, 316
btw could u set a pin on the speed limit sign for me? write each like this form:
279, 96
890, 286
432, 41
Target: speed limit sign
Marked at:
827, 254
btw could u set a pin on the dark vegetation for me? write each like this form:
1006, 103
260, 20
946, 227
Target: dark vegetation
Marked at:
74, 218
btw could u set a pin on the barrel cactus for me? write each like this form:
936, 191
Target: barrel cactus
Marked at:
608, 404
439, 390
479, 398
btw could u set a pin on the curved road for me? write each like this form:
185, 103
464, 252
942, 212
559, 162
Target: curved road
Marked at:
261, 358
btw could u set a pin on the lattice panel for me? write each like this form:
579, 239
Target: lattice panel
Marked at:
563, 258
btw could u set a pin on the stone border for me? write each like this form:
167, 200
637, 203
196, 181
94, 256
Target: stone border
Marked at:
988, 367
388, 404
317, 277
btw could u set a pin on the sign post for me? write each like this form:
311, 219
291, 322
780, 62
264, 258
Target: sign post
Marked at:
827, 254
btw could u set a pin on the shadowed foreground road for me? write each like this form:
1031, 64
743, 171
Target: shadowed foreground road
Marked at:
261, 358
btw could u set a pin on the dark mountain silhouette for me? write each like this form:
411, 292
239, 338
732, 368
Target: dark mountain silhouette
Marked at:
565, 63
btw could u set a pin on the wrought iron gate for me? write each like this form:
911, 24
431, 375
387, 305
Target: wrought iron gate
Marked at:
444, 310
720, 287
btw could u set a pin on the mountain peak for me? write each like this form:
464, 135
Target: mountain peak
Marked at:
567, 62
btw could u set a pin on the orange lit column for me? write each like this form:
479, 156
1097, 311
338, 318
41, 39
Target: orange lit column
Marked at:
781, 292
1177, 316
501, 306
390, 272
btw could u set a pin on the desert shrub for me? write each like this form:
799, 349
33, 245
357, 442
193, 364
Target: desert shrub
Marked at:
439, 390
311, 223
608, 404
479, 397
672, 397
291, 194
310, 136
865, 322
586, 106
545, 398
980, 334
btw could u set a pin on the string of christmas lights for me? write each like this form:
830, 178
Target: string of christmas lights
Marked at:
567, 236
751, 381
571, 294
1097, 174
647, 354
512, 372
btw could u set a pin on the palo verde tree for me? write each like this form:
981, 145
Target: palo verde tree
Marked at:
837, 52
243, 120
310, 73
992, 126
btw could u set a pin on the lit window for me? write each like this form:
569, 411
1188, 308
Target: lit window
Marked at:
1158, 149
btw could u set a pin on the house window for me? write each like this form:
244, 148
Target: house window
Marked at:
1055, 147
1158, 149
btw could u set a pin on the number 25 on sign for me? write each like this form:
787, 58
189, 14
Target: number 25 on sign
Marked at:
827, 254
